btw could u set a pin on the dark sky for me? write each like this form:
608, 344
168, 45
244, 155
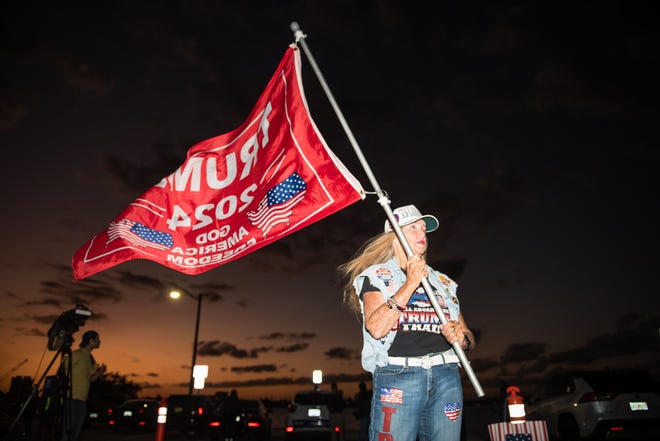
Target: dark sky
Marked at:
528, 130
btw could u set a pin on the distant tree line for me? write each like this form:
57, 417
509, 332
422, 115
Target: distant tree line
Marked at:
113, 383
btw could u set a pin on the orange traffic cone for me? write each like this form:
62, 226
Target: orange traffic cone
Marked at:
516, 405
162, 419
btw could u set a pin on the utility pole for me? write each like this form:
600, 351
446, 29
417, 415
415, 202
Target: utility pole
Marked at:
13, 369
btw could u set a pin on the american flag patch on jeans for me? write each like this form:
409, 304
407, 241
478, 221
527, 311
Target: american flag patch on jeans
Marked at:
391, 395
453, 411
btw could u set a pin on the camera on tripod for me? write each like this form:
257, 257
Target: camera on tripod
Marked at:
57, 387
60, 333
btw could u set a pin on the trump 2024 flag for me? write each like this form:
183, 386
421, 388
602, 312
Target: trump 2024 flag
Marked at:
235, 193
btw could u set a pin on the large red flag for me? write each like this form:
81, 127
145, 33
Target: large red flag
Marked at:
235, 193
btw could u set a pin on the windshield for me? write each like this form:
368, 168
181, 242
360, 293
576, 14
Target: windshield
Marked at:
622, 381
331, 400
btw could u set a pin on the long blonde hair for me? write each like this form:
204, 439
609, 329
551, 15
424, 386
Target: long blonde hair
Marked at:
378, 249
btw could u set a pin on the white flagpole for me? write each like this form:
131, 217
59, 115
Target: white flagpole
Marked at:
383, 201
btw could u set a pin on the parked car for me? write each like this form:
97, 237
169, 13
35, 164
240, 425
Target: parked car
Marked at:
135, 414
315, 413
612, 404
188, 414
249, 420
99, 407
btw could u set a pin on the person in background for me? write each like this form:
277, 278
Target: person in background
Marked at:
417, 389
340, 393
231, 409
84, 370
335, 389
363, 411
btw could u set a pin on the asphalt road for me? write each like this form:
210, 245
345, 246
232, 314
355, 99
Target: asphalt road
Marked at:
475, 428
277, 432
104, 435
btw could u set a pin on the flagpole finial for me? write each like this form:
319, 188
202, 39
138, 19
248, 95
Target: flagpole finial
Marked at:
297, 32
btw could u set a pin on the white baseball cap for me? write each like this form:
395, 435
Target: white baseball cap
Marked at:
409, 214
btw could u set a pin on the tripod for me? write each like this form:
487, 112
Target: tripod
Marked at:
64, 351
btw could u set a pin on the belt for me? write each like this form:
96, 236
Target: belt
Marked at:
426, 361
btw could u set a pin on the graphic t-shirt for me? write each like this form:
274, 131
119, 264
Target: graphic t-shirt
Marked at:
418, 327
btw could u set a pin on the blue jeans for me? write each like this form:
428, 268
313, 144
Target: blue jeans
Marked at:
77, 412
364, 428
410, 402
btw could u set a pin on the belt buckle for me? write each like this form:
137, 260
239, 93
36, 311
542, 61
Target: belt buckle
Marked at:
426, 362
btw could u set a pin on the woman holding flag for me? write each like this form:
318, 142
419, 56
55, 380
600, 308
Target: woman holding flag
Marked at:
417, 389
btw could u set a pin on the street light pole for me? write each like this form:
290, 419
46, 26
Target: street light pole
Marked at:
176, 294
194, 354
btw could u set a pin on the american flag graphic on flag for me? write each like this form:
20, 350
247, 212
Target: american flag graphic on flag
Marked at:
277, 206
391, 395
453, 410
138, 234
525, 431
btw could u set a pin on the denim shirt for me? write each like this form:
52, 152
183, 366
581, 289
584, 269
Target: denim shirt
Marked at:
388, 277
